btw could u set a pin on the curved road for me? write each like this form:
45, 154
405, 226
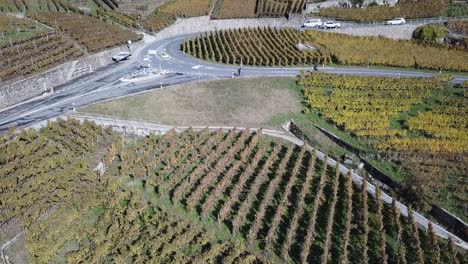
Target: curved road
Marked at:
105, 83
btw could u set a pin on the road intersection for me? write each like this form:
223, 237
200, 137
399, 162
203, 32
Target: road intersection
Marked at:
162, 56
173, 67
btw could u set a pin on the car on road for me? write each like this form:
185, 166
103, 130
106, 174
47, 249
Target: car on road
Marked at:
121, 56
396, 21
330, 24
311, 23
164, 55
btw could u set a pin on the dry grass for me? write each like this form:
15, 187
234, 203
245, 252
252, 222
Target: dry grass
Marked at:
238, 102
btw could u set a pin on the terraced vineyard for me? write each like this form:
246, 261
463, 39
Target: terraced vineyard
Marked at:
257, 8
98, 8
33, 5
28, 47
90, 32
13, 29
269, 46
167, 13
415, 122
184, 198
365, 105
54, 5
107, 4
33, 55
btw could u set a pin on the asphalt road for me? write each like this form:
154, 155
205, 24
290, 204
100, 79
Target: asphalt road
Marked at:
106, 83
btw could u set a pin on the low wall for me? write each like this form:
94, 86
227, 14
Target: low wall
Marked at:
313, 7
456, 225
13, 93
447, 219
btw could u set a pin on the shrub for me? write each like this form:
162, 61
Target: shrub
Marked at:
430, 33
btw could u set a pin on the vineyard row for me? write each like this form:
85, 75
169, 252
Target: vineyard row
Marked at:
270, 46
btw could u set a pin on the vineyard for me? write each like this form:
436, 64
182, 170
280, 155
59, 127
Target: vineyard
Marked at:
406, 9
107, 4
257, 8
129, 20
28, 47
98, 8
254, 46
196, 197
23, 6
33, 55
167, 14
13, 29
382, 51
54, 5
90, 32
381, 112
365, 105
271, 46
37, 6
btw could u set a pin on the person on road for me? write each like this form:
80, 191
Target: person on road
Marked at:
316, 67
239, 71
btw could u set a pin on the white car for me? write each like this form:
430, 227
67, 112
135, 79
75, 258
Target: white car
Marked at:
312, 23
330, 24
164, 55
121, 56
396, 21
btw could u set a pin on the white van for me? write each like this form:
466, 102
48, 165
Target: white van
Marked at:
313, 23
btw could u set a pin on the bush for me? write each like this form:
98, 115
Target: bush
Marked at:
430, 33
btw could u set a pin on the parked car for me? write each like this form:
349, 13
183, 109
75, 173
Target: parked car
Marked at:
312, 23
396, 21
121, 56
330, 24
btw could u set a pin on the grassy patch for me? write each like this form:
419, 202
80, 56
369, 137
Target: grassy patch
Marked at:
233, 102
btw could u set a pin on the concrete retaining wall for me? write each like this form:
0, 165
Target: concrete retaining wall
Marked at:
37, 85
455, 224
313, 7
